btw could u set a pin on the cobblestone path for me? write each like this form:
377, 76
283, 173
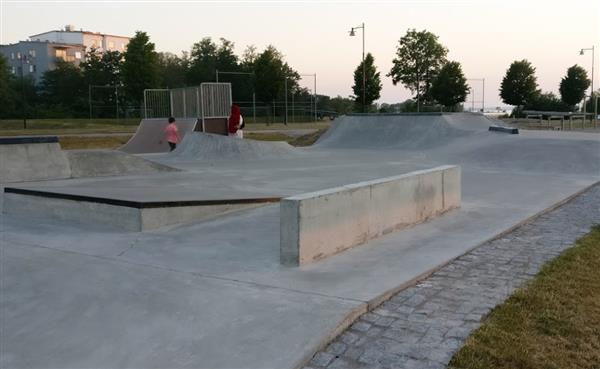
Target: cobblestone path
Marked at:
423, 326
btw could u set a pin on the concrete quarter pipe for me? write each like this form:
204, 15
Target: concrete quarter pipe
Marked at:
149, 136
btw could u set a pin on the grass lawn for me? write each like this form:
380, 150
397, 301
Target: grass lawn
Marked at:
552, 323
91, 142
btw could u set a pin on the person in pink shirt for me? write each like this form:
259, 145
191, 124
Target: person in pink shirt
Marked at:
172, 134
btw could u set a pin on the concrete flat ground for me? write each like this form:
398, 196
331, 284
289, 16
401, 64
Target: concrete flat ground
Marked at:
213, 294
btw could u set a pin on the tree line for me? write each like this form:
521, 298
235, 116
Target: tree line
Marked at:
119, 79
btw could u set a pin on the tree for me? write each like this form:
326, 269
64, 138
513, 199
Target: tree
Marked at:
341, 105
270, 73
173, 69
140, 68
203, 59
63, 90
450, 87
372, 83
419, 58
7, 93
573, 85
102, 68
519, 85
546, 101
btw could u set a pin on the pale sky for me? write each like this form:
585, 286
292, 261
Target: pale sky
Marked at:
484, 36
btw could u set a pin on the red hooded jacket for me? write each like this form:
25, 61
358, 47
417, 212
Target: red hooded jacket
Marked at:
234, 119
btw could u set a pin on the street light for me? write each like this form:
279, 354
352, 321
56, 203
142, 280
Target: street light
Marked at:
314, 92
352, 33
23, 60
582, 52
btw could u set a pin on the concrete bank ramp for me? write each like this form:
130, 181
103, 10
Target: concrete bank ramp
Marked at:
401, 131
32, 159
101, 163
150, 136
204, 146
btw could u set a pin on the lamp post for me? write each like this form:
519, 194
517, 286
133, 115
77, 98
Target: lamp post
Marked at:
582, 52
23, 60
362, 26
314, 92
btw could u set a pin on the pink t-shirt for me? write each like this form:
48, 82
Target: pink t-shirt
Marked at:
171, 133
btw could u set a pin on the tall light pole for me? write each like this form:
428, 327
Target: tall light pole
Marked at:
582, 52
23, 97
314, 92
362, 26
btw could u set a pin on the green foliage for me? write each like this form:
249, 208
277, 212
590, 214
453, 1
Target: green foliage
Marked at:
173, 69
591, 103
519, 85
63, 91
573, 85
419, 58
102, 68
450, 87
372, 83
547, 101
270, 72
140, 68
341, 105
7, 93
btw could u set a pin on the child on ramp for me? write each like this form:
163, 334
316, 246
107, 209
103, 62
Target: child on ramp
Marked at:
172, 134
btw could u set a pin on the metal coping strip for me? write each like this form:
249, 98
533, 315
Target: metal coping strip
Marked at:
139, 204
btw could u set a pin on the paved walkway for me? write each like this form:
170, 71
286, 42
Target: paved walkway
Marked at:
423, 326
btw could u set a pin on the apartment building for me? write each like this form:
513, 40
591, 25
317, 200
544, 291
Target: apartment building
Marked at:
42, 51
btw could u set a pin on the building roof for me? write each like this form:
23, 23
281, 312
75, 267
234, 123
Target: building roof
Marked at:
80, 31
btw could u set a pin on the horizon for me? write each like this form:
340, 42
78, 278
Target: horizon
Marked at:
485, 37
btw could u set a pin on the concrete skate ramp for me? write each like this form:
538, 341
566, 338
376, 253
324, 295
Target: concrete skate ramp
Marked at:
204, 146
100, 163
32, 159
401, 131
150, 135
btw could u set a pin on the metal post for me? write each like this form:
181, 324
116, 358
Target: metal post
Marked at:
364, 75
117, 100
217, 71
472, 99
145, 106
483, 96
315, 89
285, 121
90, 99
293, 109
23, 57
592, 94
254, 106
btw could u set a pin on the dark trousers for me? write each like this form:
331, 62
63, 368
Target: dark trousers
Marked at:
172, 145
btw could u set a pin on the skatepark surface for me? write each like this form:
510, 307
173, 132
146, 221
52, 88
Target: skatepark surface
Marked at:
213, 294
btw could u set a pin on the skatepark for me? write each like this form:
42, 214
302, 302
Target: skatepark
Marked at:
175, 259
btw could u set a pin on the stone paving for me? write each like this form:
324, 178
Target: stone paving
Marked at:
424, 325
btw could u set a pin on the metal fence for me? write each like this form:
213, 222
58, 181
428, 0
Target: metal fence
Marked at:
209, 100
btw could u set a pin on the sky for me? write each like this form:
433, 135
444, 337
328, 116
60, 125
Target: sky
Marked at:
484, 36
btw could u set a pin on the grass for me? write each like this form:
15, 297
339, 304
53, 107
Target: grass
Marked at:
14, 127
91, 142
552, 323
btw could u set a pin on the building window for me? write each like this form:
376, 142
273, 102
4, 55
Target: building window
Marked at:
13, 70
12, 56
111, 45
77, 55
62, 54
32, 68
19, 55
122, 46
32, 53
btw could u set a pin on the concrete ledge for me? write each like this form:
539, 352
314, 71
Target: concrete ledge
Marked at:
114, 214
319, 224
512, 131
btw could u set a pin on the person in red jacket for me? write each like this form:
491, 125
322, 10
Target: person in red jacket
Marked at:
236, 122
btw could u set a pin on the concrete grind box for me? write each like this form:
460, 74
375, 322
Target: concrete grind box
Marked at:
319, 224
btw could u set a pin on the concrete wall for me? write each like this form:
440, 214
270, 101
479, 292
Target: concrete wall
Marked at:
319, 224
33, 161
